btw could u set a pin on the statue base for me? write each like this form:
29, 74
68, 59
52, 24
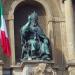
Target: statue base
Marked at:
36, 67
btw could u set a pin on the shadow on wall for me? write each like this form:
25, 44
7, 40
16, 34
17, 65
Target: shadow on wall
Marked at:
73, 1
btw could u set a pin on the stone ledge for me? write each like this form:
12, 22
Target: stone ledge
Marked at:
60, 68
70, 63
19, 65
16, 66
31, 62
37, 61
57, 19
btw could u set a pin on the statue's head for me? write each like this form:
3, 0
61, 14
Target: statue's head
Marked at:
33, 16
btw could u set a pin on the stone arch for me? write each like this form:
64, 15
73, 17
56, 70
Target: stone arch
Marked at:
15, 3
52, 4
50, 12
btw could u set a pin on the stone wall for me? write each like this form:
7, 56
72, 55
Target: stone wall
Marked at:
60, 30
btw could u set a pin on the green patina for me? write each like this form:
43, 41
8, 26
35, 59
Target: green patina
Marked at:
35, 44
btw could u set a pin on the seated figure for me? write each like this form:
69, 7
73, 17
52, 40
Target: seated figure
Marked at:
35, 44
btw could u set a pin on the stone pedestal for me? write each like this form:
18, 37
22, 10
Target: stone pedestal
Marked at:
37, 68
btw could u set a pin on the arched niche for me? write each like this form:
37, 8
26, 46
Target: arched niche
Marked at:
21, 13
50, 8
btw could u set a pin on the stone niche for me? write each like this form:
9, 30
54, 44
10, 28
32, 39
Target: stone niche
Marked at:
20, 18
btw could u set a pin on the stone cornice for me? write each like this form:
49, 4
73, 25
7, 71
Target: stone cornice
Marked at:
57, 19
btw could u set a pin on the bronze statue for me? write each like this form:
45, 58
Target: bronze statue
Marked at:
35, 44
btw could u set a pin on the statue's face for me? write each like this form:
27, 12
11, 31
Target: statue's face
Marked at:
34, 16
33, 20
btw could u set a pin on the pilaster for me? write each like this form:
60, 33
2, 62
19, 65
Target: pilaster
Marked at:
70, 36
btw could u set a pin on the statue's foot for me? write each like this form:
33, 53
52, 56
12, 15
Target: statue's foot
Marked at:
46, 57
33, 57
24, 59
